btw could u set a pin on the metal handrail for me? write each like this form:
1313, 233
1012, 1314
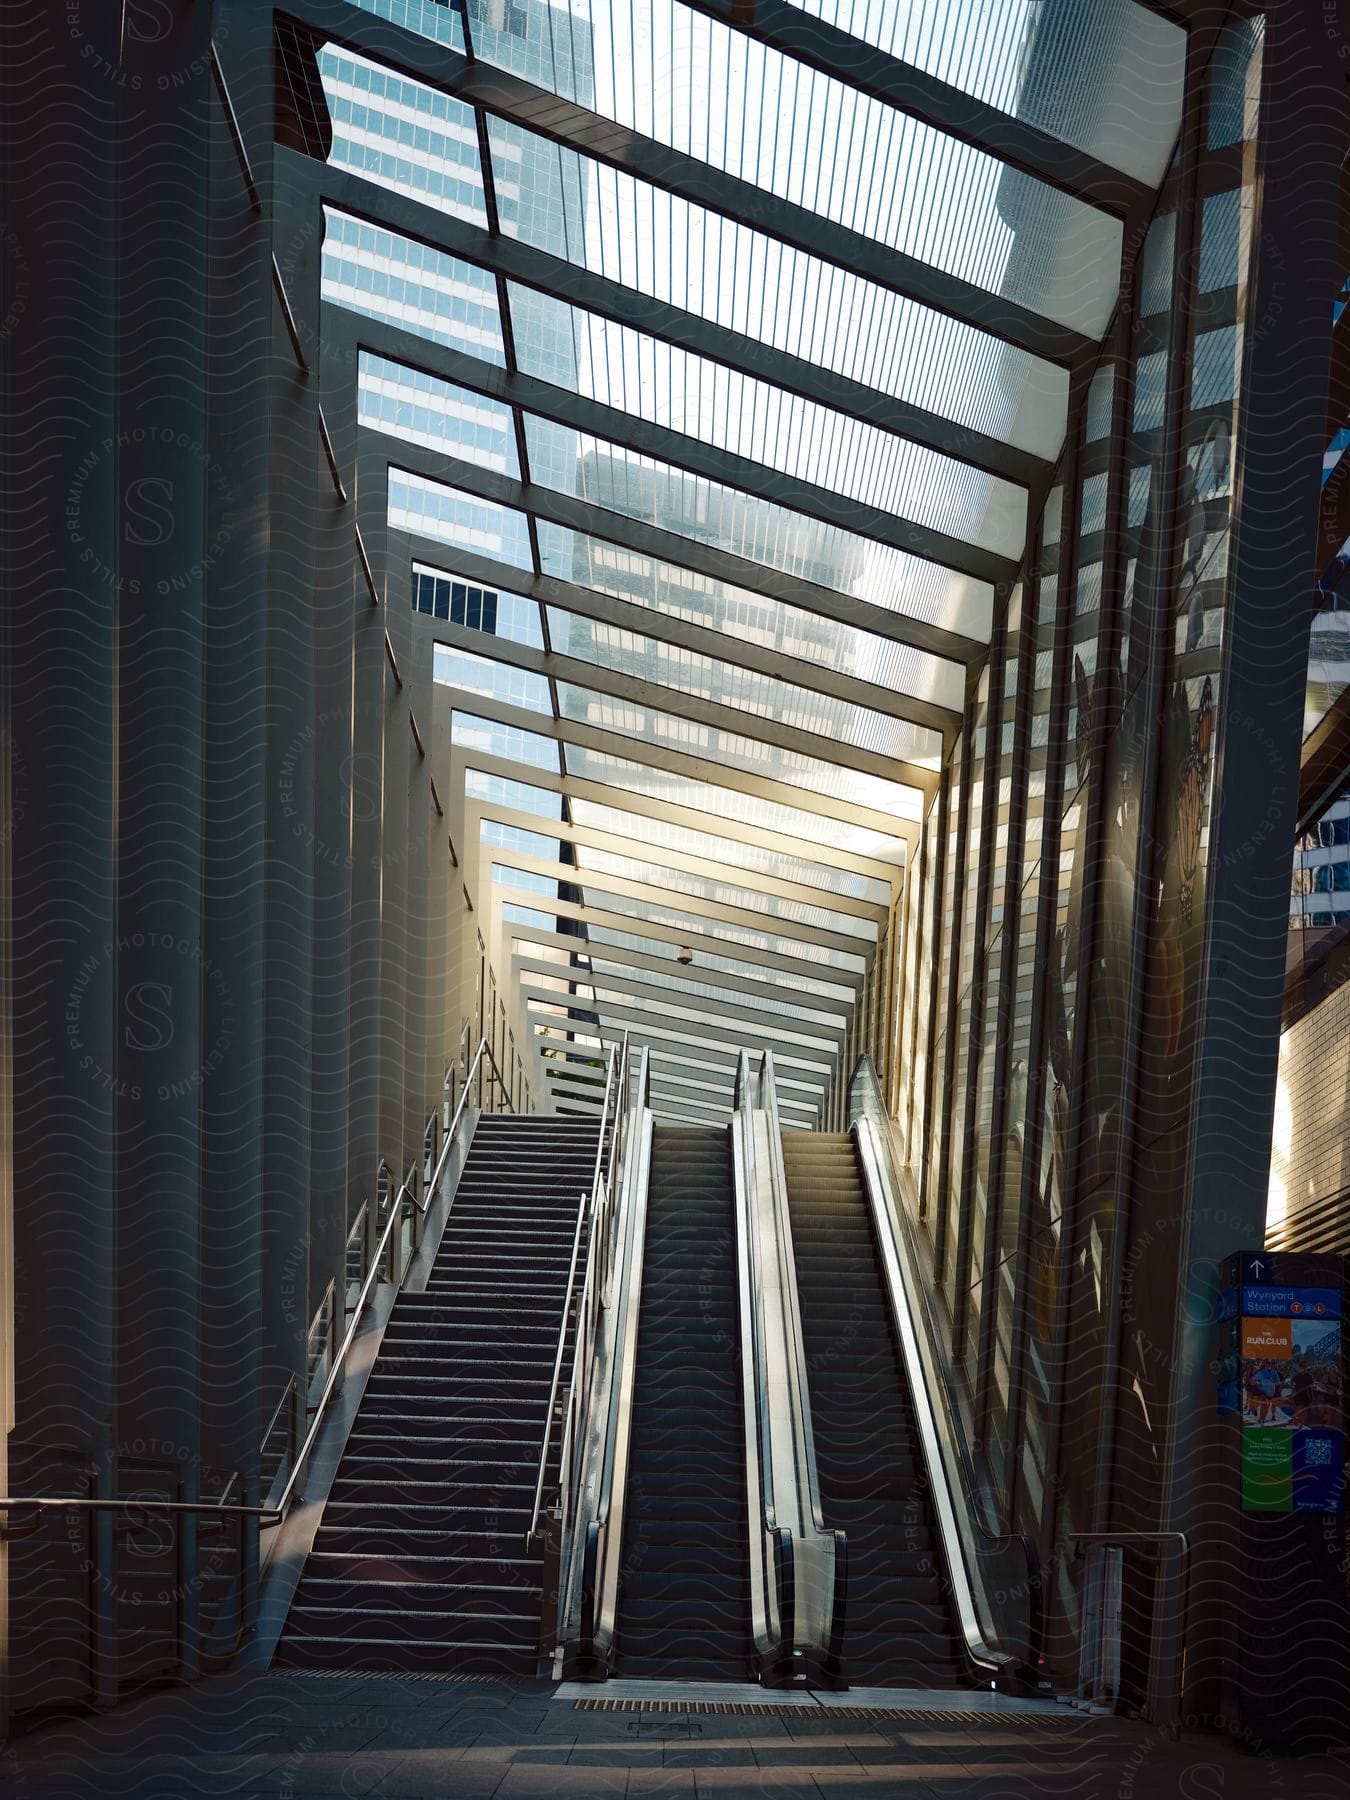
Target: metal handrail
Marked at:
905, 1300
763, 1529
594, 1552
406, 1191
269, 1517
1005, 1538
808, 1467
582, 1209
593, 1207
768, 1099
794, 1572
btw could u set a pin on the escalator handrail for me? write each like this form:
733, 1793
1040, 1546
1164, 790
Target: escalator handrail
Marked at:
810, 1473
993, 1542
593, 1591
798, 1569
761, 1516
824, 1543
903, 1291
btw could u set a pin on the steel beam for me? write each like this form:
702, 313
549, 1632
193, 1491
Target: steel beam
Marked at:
741, 917
692, 934
590, 417
673, 1003
690, 904
680, 762
698, 1033
771, 991
561, 121
687, 634
575, 787
733, 875
525, 264
591, 520
807, 38
715, 714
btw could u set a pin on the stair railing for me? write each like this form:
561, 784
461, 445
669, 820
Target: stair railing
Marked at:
796, 1563
393, 1255
588, 1584
998, 1638
580, 1317
20, 1514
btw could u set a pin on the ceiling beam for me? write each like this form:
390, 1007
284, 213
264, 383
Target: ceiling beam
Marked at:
808, 39
575, 787
536, 269
669, 1056
742, 652
803, 1032
694, 456
817, 1067
716, 714
608, 742
771, 991
704, 559
743, 918
690, 932
575, 127
688, 862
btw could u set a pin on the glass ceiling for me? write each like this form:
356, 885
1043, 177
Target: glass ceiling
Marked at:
715, 441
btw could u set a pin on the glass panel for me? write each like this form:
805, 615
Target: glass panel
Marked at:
723, 892
515, 837
810, 139
967, 949
727, 803
1328, 661
602, 937
923, 995
508, 741
520, 796
639, 829
989, 1192
404, 136
739, 524
765, 938
936, 1136
494, 680
491, 610
724, 271
449, 515
619, 974
1106, 79
431, 18
411, 404
376, 272
753, 618
667, 665
1319, 903
649, 726
680, 391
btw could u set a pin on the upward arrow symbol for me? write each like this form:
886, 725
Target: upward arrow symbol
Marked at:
1257, 1266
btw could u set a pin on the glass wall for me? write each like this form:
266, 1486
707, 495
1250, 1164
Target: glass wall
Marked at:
1065, 930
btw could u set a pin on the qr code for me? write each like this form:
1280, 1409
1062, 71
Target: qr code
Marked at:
1317, 1452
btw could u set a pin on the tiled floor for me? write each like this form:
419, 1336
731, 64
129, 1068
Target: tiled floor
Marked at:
291, 1737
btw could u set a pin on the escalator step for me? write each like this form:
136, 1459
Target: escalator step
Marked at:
873, 1484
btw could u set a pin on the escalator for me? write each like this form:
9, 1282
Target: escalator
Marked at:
900, 1630
684, 1601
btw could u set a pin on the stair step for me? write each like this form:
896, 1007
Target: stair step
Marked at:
377, 1655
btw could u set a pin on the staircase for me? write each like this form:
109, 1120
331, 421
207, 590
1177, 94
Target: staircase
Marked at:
684, 1590
420, 1561
898, 1627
